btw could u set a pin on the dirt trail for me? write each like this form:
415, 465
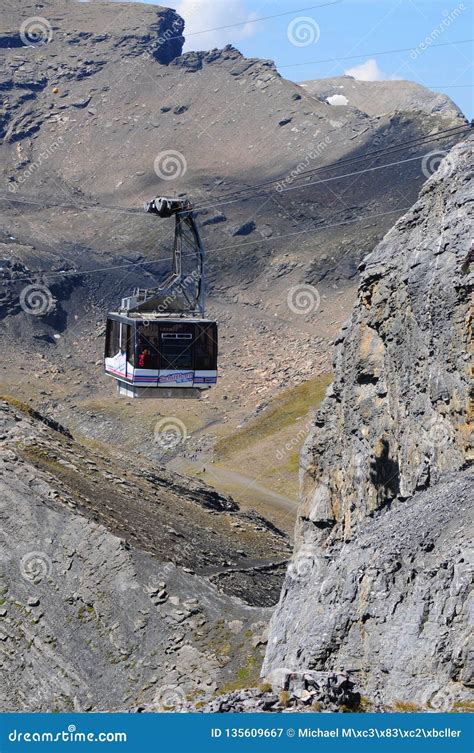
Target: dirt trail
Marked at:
251, 486
248, 492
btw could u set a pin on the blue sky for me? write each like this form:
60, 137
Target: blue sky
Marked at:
347, 28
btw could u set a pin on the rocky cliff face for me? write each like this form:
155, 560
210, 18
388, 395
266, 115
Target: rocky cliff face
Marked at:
121, 585
381, 573
397, 414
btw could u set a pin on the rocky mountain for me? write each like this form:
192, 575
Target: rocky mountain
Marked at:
101, 111
380, 583
120, 584
166, 583
378, 98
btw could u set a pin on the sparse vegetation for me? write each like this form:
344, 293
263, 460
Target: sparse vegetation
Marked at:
247, 676
463, 707
406, 706
284, 410
17, 404
365, 704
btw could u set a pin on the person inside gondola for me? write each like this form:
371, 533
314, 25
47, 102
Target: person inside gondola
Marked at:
144, 359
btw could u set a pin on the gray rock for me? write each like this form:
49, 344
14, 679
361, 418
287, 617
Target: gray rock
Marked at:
112, 610
379, 582
332, 692
376, 98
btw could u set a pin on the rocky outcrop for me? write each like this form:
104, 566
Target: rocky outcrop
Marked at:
377, 98
396, 416
381, 573
156, 30
308, 692
391, 606
253, 68
112, 587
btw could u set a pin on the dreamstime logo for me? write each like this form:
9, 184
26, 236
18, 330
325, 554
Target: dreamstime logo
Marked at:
35, 566
303, 31
170, 165
303, 299
37, 300
441, 701
36, 31
306, 563
169, 698
439, 432
170, 432
437, 161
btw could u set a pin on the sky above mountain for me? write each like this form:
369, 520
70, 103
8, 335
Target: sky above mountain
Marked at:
346, 36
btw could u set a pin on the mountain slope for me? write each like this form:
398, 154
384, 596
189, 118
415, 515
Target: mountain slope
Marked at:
382, 568
89, 118
121, 584
377, 98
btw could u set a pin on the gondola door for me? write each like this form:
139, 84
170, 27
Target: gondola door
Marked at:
177, 354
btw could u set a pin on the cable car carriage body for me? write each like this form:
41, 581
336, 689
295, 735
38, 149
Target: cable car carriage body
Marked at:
159, 344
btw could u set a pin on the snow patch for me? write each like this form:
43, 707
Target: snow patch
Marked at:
337, 100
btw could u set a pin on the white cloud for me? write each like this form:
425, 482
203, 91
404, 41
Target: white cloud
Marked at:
200, 15
368, 71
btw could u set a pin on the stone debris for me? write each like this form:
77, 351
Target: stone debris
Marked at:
311, 691
104, 614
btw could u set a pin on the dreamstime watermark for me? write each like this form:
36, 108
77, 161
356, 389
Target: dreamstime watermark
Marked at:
37, 300
170, 432
437, 161
178, 289
303, 31
170, 164
449, 18
174, 32
439, 432
36, 31
294, 443
35, 566
441, 700
303, 299
34, 166
306, 563
65, 736
169, 698
313, 154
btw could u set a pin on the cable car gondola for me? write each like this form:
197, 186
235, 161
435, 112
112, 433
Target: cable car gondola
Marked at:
159, 344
